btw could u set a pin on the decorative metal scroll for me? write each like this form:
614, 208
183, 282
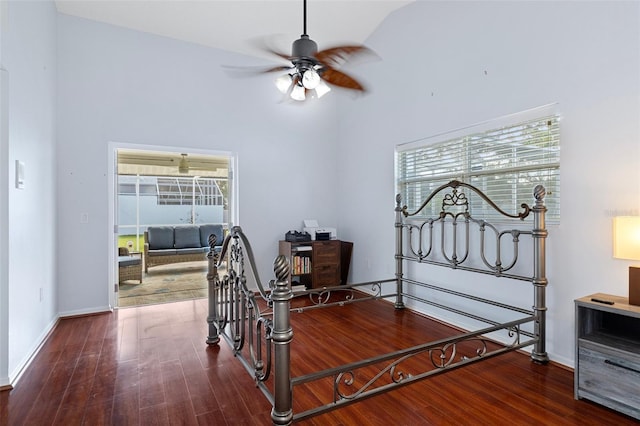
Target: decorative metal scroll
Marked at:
459, 199
438, 357
363, 379
454, 225
342, 295
234, 311
435, 359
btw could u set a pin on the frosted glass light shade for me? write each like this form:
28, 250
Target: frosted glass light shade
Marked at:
310, 79
322, 89
626, 237
297, 93
283, 83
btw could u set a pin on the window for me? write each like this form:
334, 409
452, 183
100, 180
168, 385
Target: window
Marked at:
187, 191
181, 191
505, 162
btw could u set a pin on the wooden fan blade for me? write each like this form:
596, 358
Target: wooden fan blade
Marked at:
341, 79
237, 71
336, 56
278, 68
280, 54
266, 44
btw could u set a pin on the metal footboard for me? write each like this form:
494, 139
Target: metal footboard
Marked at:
236, 312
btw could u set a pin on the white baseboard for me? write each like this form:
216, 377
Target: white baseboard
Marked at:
24, 364
88, 311
5, 384
31, 354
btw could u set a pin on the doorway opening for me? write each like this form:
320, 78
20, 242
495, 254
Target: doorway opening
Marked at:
159, 194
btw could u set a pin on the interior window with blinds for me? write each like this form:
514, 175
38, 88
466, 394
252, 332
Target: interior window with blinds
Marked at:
505, 162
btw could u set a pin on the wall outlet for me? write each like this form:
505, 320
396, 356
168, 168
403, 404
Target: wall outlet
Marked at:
84, 217
41, 294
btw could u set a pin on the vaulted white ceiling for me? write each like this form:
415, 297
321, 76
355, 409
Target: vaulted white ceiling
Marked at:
235, 25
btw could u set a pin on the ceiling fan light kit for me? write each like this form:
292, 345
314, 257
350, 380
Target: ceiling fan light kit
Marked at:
312, 72
299, 89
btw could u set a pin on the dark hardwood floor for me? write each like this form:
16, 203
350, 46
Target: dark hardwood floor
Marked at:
150, 366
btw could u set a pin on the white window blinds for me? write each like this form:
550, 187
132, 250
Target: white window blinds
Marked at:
506, 163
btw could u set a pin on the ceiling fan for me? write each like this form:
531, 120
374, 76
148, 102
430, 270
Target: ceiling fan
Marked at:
312, 72
183, 165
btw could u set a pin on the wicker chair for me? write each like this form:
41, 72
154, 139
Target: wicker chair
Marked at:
129, 265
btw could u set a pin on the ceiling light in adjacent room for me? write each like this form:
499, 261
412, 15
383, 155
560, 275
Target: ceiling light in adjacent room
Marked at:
183, 166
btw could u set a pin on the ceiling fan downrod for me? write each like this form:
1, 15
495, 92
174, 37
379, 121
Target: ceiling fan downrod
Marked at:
304, 17
304, 48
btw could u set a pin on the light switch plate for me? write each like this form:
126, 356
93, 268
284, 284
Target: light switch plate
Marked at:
19, 174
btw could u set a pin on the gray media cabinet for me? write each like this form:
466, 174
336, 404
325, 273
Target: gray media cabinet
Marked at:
607, 369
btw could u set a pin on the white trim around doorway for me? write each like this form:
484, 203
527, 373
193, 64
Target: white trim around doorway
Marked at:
113, 148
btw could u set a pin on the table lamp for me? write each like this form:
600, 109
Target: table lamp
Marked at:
626, 245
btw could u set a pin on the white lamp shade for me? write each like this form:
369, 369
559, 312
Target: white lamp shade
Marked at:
322, 89
297, 93
310, 79
626, 237
283, 83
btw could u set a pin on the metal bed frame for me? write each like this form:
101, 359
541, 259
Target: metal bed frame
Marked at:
256, 323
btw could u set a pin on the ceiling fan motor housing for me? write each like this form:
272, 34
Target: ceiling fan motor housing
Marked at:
310, 73
304, 47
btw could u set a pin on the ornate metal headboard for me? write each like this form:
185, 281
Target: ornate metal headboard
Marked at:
455, 219
454, 248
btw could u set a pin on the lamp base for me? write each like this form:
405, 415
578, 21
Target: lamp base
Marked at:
634, 285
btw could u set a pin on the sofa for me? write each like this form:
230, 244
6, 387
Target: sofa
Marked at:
173, 244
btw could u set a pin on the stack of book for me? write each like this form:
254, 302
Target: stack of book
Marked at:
301, 265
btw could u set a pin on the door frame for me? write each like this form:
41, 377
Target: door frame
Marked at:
112, 226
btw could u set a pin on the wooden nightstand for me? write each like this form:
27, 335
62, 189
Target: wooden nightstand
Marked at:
607, 367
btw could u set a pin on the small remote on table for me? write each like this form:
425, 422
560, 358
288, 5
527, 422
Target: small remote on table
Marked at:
606, 302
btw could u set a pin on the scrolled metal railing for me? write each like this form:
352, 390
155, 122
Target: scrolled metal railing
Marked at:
342, 295
363, 379
240, 315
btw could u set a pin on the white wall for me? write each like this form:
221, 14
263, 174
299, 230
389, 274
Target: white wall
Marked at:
124, 86
4, 203
29, 55
447, 65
